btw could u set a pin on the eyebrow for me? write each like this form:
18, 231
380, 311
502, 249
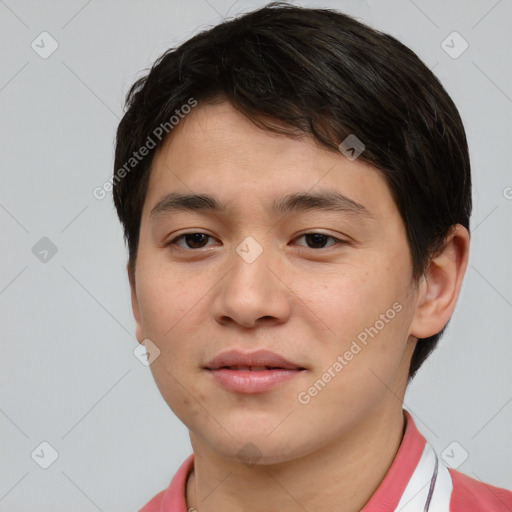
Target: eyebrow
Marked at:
326, 200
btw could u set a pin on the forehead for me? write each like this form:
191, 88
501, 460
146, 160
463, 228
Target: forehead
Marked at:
216, 150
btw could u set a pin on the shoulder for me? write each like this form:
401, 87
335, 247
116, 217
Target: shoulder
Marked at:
471, 495
155, 505
174, 497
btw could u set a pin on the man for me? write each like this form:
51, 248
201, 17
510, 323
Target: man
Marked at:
295, 192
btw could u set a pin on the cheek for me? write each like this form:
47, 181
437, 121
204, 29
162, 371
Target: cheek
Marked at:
167, 306
166, 312
367, 310
354, 376
350, 300
163, 302
178, 390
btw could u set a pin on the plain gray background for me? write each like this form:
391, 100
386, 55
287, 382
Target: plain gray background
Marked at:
68, 373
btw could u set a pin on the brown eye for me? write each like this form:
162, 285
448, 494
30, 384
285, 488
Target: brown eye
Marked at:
192, 240
318, 240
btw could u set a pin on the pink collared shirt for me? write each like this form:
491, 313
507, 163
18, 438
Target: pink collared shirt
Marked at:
417, 481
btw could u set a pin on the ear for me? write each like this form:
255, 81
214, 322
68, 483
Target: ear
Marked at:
440, 286
139, 333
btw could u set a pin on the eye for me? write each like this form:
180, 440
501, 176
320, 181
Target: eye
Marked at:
192, 240
200, 240
318, 240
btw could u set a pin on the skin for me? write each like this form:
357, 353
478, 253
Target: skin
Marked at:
307, 303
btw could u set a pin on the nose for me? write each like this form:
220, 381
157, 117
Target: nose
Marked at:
252, 294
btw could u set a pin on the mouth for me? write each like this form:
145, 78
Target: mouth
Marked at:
255, 372
253, 368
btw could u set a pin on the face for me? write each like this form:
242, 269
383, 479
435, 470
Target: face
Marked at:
324, 296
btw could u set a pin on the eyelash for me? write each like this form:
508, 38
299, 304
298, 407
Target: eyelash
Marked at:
183, 235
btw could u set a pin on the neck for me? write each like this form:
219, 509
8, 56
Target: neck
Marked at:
342, 476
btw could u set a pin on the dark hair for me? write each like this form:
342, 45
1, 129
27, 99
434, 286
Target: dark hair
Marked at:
315, 71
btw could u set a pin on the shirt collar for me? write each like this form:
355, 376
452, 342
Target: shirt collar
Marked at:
388, 494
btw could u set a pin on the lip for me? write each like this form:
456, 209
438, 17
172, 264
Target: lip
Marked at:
243, 372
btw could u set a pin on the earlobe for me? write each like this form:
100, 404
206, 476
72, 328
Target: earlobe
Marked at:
439, 289
139, 333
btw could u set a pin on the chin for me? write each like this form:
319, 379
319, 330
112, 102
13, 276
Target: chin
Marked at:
258, 445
